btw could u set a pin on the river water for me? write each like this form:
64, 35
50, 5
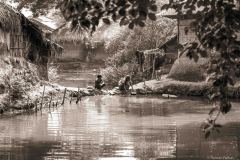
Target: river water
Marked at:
119, 128
78, 78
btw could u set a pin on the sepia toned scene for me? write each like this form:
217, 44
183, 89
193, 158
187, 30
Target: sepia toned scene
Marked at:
119, 79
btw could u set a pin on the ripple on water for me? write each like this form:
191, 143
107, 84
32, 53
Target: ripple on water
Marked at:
112, 127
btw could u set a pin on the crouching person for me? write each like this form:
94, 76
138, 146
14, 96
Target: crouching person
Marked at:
124, 84
99, 83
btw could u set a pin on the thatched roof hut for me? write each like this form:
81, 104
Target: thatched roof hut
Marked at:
45, 29
65, 34
21, 37
79, 45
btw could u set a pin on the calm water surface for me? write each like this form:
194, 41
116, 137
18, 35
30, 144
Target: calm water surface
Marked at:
119, 128
77, 78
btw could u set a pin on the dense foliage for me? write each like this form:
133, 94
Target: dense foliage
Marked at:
88, 13
216, 26
123, 48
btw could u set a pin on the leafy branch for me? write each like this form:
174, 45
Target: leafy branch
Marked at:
89, 13
216, 26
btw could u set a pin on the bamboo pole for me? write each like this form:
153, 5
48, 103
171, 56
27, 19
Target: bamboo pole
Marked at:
78, 96
71, 95
64, 96
42, 97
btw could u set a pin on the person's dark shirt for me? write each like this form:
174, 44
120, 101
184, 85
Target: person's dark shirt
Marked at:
99, 83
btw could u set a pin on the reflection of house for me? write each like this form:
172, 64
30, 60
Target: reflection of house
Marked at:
20, 37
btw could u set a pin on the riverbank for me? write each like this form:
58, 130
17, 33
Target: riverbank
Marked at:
181, 88
23, 90
44, 95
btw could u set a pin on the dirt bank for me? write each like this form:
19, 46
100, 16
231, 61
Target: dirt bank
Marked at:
21, 89
181, 88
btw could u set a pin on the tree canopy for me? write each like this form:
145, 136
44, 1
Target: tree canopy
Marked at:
88, 13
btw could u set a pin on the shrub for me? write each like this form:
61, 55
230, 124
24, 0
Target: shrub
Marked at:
113, 74
52, 73
123, 48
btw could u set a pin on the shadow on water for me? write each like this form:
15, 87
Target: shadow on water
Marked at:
113, 127
27, 149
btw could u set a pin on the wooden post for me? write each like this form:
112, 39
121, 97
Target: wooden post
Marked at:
64, 95
78, 96
71, 95
42, 97
50, 103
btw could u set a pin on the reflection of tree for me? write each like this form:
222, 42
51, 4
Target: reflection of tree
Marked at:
151, 140
29, 150
192, 144
156, 143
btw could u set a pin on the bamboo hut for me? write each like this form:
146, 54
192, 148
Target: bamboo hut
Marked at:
80, 45
74, 43
47, 31
20, 37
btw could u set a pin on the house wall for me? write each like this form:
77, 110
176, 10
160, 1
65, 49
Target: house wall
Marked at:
186, 34
23, 39
189, 36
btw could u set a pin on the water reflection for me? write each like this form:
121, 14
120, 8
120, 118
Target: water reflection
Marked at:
111, 127
81, 78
